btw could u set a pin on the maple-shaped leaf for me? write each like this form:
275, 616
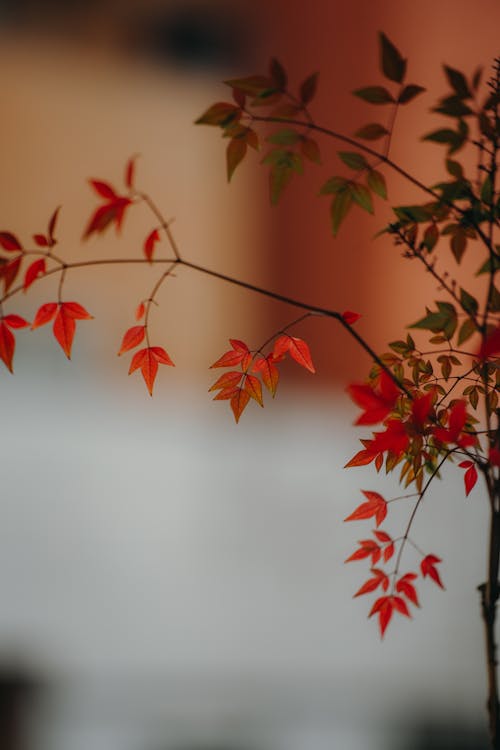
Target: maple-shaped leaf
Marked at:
394, 439
376, 506
428, 568
33, 272
470, 476
147, 360
385, 606
377, 403
297, 348
254, 389
150, 243
454, 434
405, 586
64, 324
132, 338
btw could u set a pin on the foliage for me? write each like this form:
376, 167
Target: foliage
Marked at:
434, 401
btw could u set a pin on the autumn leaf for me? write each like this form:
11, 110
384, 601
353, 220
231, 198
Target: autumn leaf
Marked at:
268, 372
147, 360
350, 317
376, 506
112, 211
132, 338
150, 243
428, 568
405, 586
377, 404
470, 476
33, 272
297, 348
234, 356
7, 345
239, 400
379, 579
9, 242
64, 324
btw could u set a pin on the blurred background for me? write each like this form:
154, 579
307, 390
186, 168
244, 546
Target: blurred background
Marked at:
169, 580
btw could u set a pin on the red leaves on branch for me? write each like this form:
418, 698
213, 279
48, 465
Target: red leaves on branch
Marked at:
385, 606
375, 507
150, 244
132, 338
65, 315
377, 404
111, 211
148, 360
379, 579
239, 386
454, 433
7, 338
33, 272
470, 476
9, 242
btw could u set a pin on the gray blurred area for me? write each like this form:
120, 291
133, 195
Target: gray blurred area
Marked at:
170, 581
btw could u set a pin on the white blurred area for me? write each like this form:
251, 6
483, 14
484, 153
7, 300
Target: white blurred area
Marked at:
173, 581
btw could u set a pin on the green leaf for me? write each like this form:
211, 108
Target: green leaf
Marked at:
220, 114
447, 136
279, 178
376, 182
458, 82
465, 332
374, 95
412, 213
487, 190
353, 160
431, 236
235, 153
253, 85
392, 63
468, 302
458, 243
409, 93
443, 321
278, 74
490, 265
371, 132
362, 196
455, 169
494, 302
285, 137
453, 106
308, 88
334, 185
340, 208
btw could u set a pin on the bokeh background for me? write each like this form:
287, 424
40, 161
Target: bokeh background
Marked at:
169, 580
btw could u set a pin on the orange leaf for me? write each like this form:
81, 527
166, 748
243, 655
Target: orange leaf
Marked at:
140, 310
269, 373
297, 348
361, 458
147, 360
254, 389
238, 402
132, 338
161, 356
150, 242
226, 393
15, 321
227, 380
234, 356
376, 506
76, 311
33, 272
7, 345
44, 315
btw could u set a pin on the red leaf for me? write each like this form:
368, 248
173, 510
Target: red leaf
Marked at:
400, 605
7, 345
269, 373
427, 566
470, 476
384, 607
297, 348
33, 272
150, 242
491, 345
350, 317
130, 172
132, 338
107, 214
376, 405
376, 506
361, 458
104, 189
147, 360
64, 330
227, 393
52, 225
9, 242
367, 547
380, 579
44, 315
382, 536
234, 356
76, 311
227, 380
15, 321
494, 457
406, 587
140, 310
254, 389
238, 402
9, 272
41, 240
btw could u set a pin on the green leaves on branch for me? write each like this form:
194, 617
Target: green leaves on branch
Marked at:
444, 320
348, 192
284, 164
